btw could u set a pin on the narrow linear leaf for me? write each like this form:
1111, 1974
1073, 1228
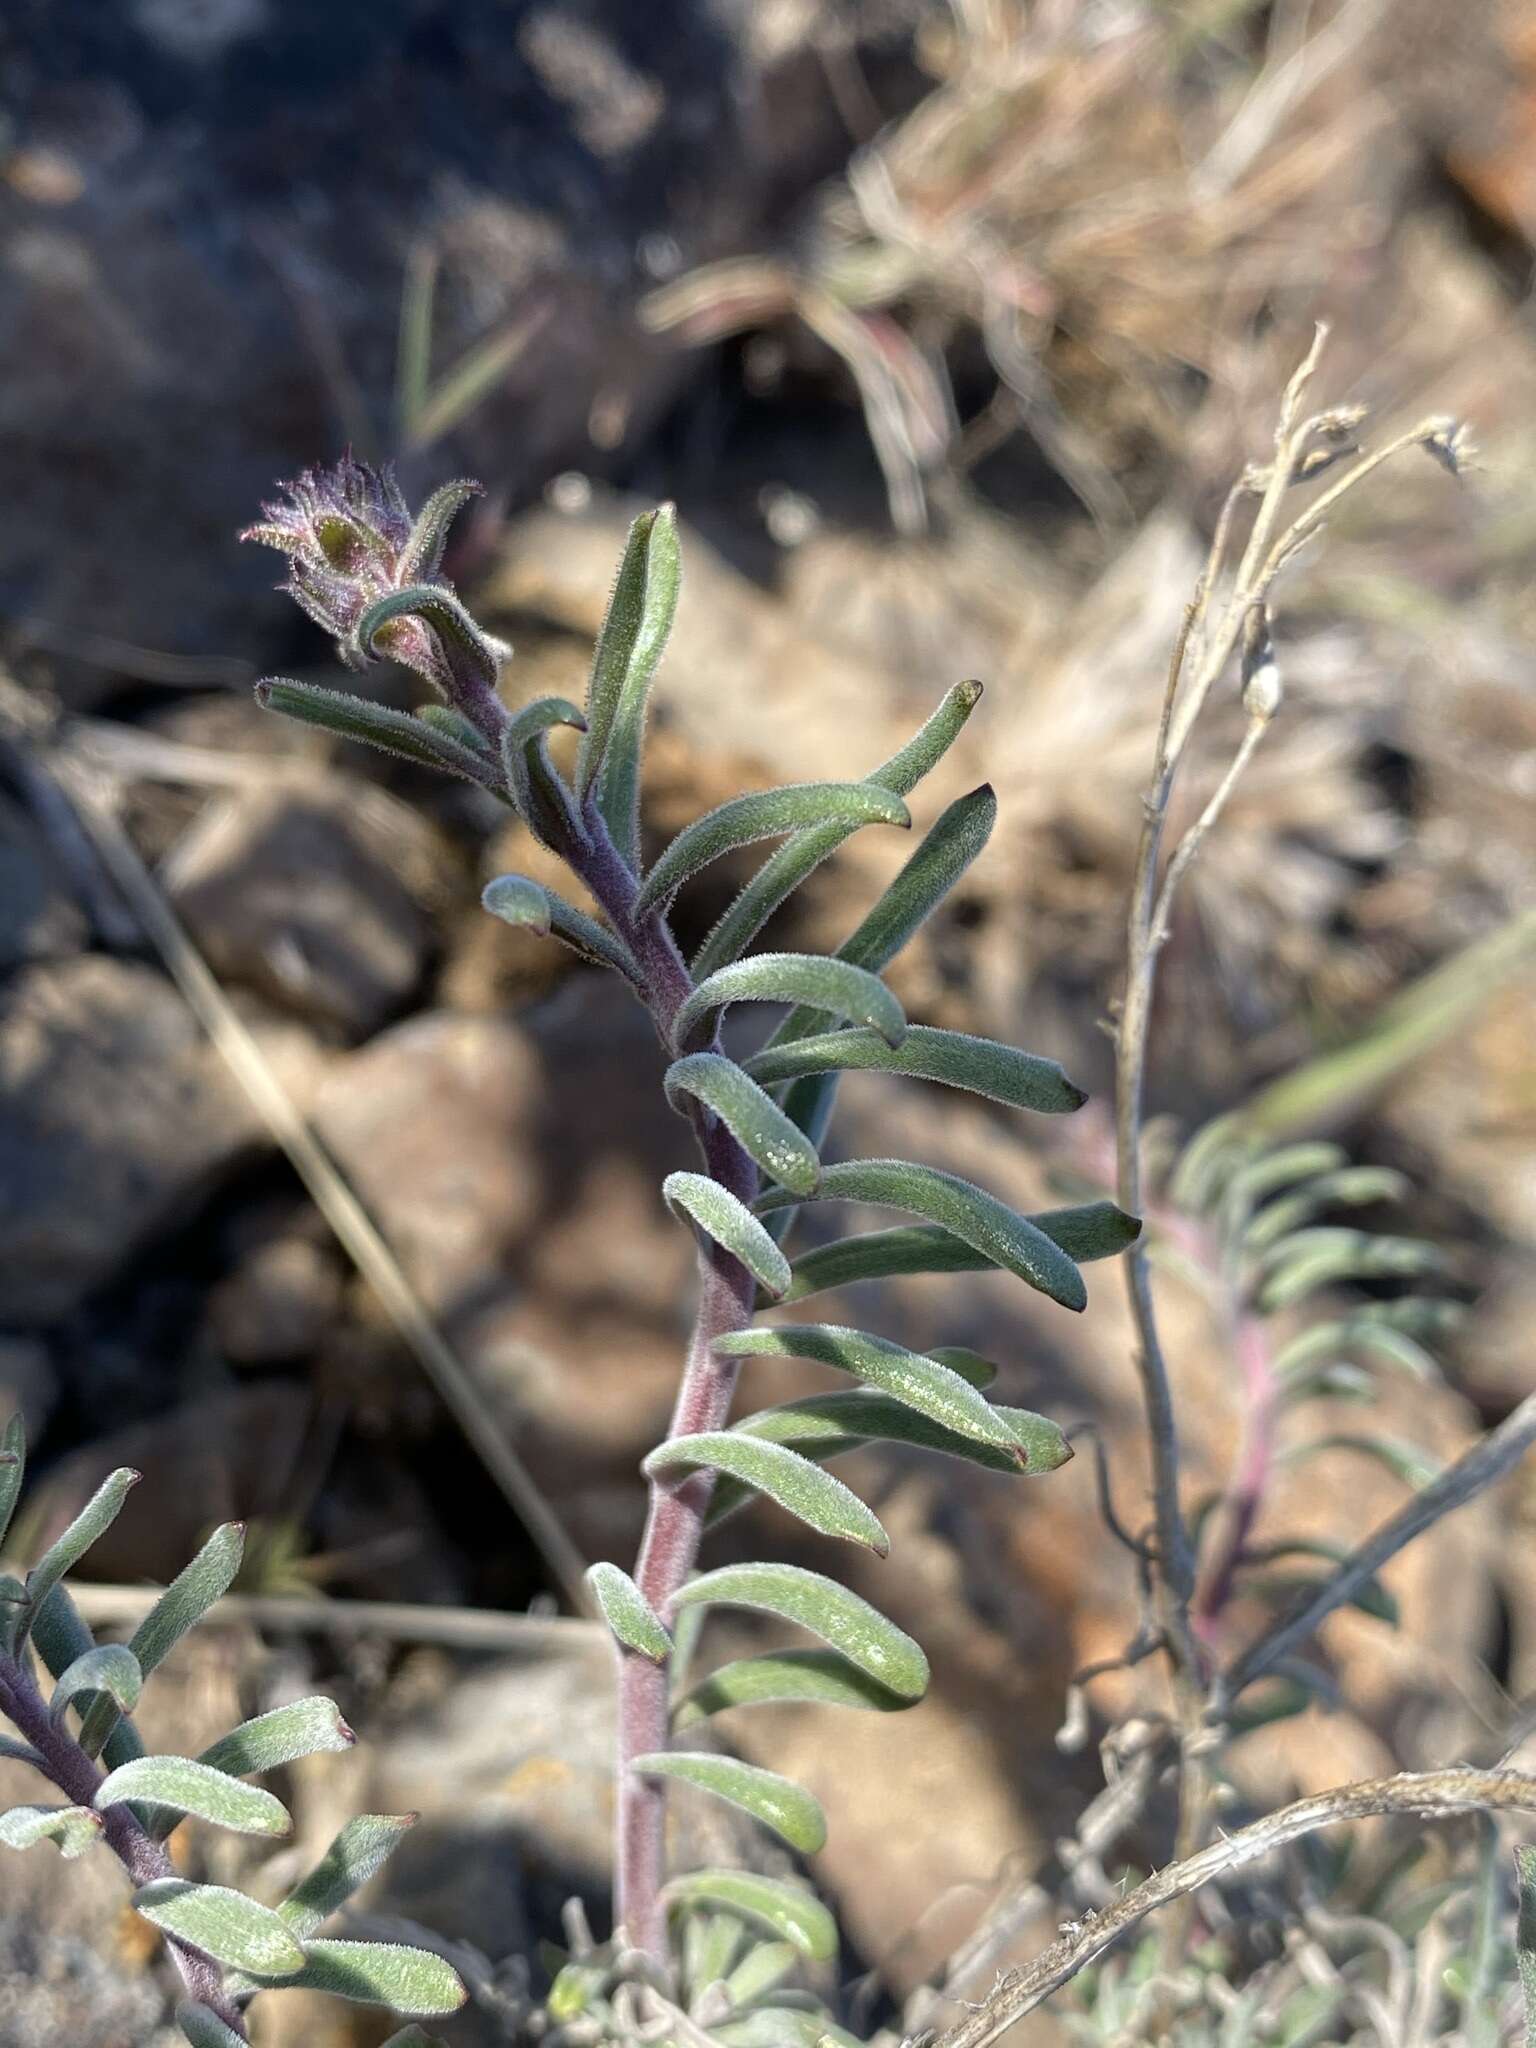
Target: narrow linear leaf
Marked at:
771, 1468
112, 1670
60, 1636
629, 647
92, 1522
1371, 1596
982, 1066
1350, 1186
13, 1465
14, 1752
787, 1910
351, 717
538, 796
778, 1803
789, 865
787, 1678
470, 654
917, 1381
832, 985
444, 719
630, 1616
518, 901
410, 1981
765, 814
1312, 1259
422, 555
844, 1421
1416, 1468
361, 1850
731, 1224
1096, 1230
201, 2025
224, 1924
986, 1224
187, 1786
1356, 1334
74, 1828
765, 1965
848, 1624
711, 1942
752, 1117
302, 1728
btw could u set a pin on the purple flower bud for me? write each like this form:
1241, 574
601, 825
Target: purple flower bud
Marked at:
350, 540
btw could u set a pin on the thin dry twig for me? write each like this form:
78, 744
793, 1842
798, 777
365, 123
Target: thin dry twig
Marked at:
1430, 1795
451, 1628
1486, 1462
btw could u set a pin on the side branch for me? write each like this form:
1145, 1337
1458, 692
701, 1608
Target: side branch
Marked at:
1432, 1795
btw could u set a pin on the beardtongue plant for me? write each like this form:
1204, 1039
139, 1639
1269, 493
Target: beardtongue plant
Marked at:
371, 575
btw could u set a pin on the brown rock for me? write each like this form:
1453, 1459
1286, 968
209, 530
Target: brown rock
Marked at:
114, 1116
298, 895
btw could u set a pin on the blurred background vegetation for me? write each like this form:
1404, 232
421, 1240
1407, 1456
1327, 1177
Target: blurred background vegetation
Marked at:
947, 327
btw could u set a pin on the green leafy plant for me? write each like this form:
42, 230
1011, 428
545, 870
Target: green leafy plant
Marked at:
366, 570
79, 1735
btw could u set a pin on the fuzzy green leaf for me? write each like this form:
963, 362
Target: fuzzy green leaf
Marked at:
789, 865
470, 654
917, 1381
92, 1522
786, 1909
832, 985
180, 1607
1349, 1186
786, 1677
765, 814
224, 1924
351, 717
980, 1065
848, 1624
765, 1965
777, 1802
74, 1828
302, 1728
629, 647
1093, 1230
836, 1422
628, 1613
187, 1786
517, 901
204, 2029
112, 1670
13, 1465
1415, 1467
60, 1636
358, 1853
731, 1224
979, 1372
986, 1224
444, 719
1356, 1334
752, 1117
409, 1981
1311, 1259
769, 1468
711, 1942
783, 2026
422, 555
537, 794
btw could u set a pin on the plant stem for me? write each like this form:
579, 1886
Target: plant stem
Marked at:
1250, 1480
676, 1505
79, 1778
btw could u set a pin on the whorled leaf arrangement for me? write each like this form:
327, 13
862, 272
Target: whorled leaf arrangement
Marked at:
370, 574
227, 1947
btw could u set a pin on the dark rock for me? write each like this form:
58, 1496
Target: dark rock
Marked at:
206, 224
298, 894
114, 1116
39, 919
